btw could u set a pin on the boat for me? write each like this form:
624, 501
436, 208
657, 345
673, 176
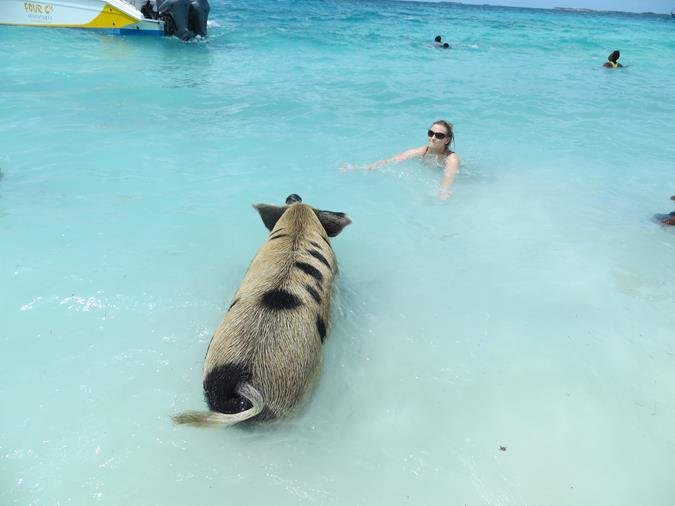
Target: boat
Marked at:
185, 19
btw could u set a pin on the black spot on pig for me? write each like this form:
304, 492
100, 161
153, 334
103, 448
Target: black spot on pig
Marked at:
219, 385
313, 293
310, 269
319, 257
279, 299
321, 327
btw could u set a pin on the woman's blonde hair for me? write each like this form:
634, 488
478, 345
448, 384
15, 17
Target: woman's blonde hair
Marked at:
448, 128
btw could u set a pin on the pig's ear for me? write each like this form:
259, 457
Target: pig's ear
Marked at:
270, 214
333, 223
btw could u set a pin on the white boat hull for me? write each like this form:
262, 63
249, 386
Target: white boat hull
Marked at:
113, 16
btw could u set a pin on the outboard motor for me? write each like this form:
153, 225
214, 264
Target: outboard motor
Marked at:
184, 18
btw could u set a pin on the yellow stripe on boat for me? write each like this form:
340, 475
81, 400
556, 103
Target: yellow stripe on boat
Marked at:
110, 17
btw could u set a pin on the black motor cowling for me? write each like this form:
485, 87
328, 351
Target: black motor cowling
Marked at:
184, 18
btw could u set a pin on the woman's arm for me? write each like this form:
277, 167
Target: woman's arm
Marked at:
411, 153
451, 169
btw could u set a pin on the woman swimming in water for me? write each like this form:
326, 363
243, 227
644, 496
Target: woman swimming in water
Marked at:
612, 61
667, 219
438, 149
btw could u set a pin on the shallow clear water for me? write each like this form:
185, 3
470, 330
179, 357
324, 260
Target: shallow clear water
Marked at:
533, 310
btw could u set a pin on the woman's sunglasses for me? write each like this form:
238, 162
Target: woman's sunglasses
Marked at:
438, 135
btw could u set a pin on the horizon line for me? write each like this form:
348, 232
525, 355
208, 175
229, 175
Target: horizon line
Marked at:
562, 8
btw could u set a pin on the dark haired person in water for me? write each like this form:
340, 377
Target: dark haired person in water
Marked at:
612, 62
667, 219
438, 43
437, 150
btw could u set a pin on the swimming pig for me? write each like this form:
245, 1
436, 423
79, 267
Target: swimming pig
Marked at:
266, 352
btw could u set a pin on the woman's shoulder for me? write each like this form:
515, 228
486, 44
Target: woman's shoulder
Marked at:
410, 153
415, 151
422, 150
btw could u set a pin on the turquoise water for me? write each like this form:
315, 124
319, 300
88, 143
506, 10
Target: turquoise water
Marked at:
533, 310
